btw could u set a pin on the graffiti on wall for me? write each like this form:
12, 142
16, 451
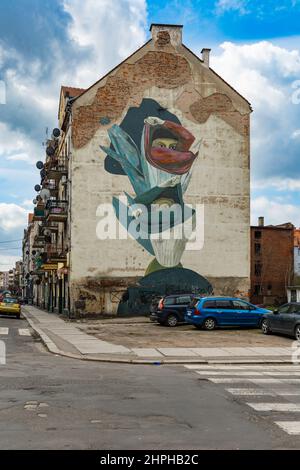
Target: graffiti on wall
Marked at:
157, 154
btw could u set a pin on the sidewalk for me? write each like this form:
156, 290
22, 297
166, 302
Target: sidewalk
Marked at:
66, 339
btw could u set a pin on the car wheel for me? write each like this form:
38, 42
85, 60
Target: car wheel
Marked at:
171, 320
265, 328
210, 324
297, 333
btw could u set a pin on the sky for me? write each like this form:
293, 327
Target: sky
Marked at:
48, 43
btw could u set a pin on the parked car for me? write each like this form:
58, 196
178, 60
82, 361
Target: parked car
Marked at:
5, 293
284, 320
211, 312
171, 309
10, 306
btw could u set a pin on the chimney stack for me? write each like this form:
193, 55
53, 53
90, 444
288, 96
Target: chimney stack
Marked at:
205, 56
261, 221
163, 34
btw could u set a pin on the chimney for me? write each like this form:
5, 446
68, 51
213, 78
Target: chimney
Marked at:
205, 56
261, 221
163, 34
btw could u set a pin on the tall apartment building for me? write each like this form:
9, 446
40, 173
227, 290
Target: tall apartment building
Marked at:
162, 129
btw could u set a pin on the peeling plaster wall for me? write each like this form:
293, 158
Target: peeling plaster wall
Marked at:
212, 111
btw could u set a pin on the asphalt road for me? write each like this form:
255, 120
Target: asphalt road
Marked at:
51, 402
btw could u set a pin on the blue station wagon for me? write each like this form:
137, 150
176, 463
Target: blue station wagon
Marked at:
211, 312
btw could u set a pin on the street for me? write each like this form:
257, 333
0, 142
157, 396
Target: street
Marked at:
52, 402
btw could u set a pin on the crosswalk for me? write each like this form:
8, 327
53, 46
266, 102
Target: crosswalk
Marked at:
21, 331
266, 389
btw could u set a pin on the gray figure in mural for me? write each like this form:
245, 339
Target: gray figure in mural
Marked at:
156, 153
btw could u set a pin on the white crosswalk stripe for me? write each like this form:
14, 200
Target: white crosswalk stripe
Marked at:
263, 383
290, 427
21, 331
24, 332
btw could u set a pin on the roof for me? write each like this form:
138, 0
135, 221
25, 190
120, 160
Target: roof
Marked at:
71, 91
166, 25
143, 46
286, 226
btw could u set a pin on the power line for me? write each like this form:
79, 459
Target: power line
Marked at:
9, 249
13, 241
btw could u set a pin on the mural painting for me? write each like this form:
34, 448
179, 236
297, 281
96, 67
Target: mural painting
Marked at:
156, 153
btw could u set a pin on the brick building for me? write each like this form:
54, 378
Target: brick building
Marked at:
272, 262
162, 128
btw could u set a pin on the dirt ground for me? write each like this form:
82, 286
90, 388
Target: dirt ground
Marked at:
137, 333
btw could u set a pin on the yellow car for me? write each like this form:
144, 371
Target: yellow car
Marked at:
10, 306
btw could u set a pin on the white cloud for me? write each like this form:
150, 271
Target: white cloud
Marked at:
264, 74
12, 217
101, 34
15, 145
232, 5
7, 262
109, 31
279, 184
274, 212
296, 134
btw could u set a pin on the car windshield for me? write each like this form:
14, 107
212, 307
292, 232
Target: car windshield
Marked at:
10, 300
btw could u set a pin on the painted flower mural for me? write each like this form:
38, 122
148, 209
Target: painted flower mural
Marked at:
157, 154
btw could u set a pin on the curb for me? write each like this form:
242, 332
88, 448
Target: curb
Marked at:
52, 348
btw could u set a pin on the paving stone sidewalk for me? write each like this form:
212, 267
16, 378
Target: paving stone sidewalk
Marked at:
66, 338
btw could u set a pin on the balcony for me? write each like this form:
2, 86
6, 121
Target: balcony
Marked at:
52, 186
39, 241
38, 214
56, 254
56, 170
57, 211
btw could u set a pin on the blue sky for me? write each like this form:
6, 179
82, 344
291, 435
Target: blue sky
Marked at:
47, 43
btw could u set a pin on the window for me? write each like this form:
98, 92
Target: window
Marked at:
257, 234
169, 301
240, 305
209, 304
293, 295
295, 309
257, 289
257, 248
224, 304
285, 308
258, 269
269, 289
184, 300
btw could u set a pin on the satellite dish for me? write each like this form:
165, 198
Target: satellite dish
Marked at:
40, 165
27, 252
45, 194
50, 151
34, 201
56, 133
37, 188
43, 173
34, 252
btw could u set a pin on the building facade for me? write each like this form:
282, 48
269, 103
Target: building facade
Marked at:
272, 262
160, 138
